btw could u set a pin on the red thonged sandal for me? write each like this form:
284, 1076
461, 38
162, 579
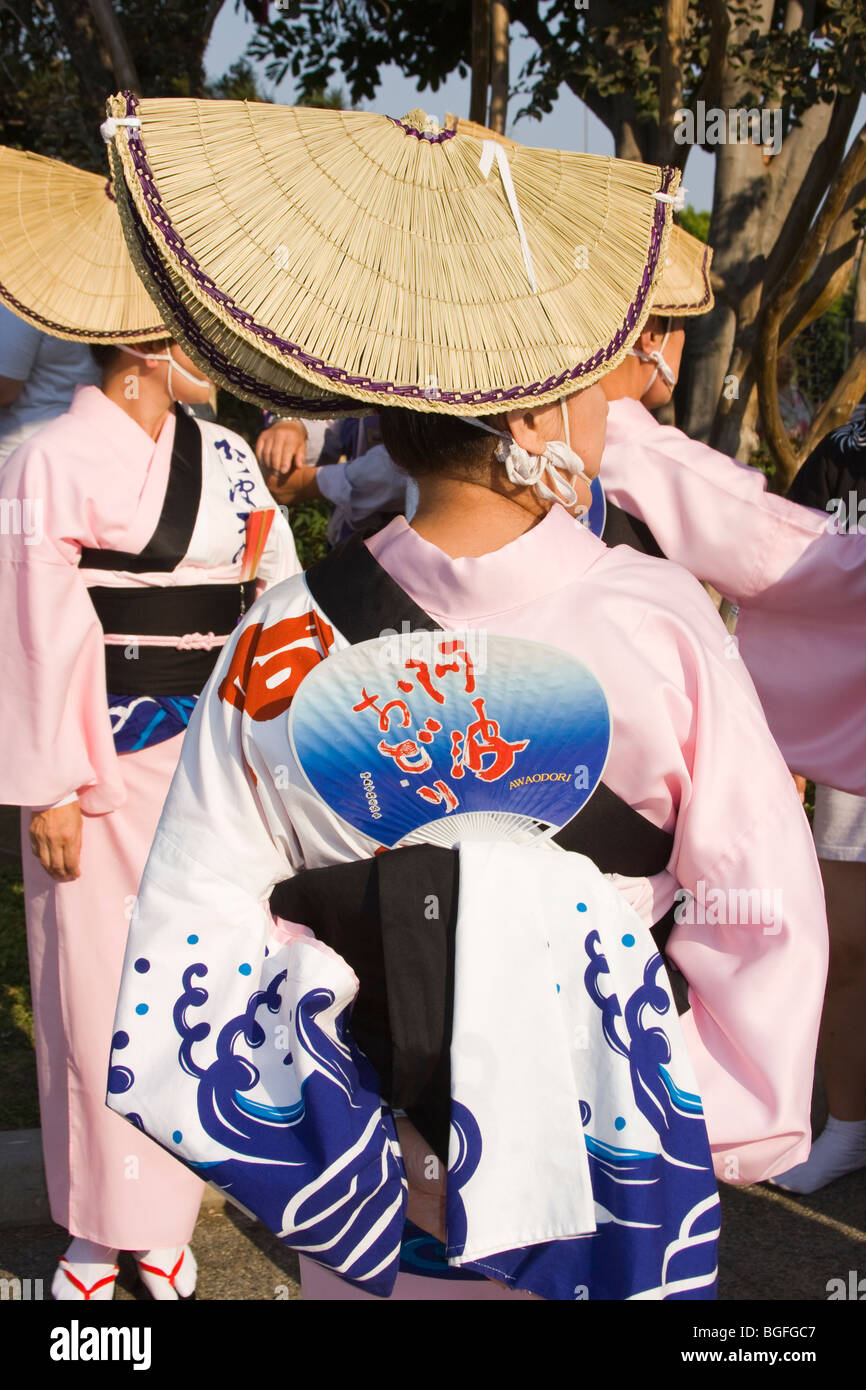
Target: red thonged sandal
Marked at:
161, 1284
87, 1292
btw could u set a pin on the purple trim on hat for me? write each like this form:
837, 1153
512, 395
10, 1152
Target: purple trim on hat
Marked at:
386, 389
433, 139
325, 407
122, 335
671, 309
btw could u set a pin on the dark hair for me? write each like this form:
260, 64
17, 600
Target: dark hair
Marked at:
423, 443
106, 354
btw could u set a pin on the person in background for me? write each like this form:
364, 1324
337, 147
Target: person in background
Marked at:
38, 377
833, 479
112, 614
138, 537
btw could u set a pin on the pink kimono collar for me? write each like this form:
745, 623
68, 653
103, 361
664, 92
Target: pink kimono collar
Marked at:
552, 554
116, 431
625, 417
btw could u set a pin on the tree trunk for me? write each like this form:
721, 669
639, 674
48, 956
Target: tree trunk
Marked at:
675, 20
481, 36
113, 37
90, 62
498, 65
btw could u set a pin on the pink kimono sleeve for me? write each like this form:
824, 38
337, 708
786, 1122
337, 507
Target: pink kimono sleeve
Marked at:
801, 586
55, 735
751, 933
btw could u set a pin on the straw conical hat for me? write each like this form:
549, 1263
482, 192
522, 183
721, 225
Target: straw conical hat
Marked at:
212, 345
64, 266
683, 288
382, 260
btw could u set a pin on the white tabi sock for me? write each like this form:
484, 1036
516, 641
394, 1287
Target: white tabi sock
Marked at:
87, 1273
168, 1273
839, 1149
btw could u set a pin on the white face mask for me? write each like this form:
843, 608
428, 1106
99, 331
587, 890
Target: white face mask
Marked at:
172, 366
662, 368
559, 462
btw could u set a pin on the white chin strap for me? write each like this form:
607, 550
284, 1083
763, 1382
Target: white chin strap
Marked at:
172, 366
559, 462
662, 368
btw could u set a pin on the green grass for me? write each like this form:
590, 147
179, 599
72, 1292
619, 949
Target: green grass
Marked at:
19, 1104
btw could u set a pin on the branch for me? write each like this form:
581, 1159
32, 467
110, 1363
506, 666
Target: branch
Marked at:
498, 65
675, 20
779, 303
210, 19
809, 193
831, 275
481, 34
710, 86
114, 39
838, 408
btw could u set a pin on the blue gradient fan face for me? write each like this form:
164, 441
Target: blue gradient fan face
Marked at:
595, 518
437, 736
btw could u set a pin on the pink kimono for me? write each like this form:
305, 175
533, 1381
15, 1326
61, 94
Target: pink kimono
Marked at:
800, 586
690, 750
93, 479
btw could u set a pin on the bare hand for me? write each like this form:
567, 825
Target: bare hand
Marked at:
426, 1177
298, 486
280, 449
800, 784
55, 838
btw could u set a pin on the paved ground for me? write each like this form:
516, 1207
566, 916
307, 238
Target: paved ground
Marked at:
774, 1247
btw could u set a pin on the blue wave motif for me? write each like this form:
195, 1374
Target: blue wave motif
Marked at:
657, 1214
460, 1170
323, 1172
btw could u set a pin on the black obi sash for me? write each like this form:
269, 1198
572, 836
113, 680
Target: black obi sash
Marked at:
170, 612
621, 528
372, 911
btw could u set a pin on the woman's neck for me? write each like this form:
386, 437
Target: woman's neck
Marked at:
148, 406
466, 519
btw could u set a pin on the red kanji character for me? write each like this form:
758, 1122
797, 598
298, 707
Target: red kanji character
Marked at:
428, 730
456, 750
444, 794
402, 752
366, 701
457, 647
483, 737
369, 702
423, 680
269, 663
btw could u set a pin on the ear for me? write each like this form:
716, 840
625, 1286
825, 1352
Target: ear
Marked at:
651, 334
526, 427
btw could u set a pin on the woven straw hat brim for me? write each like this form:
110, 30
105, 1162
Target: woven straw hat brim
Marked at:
64, 266
375, 260
213, 347
683, 289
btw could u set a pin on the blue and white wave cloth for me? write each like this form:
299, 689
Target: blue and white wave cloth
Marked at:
271, 1100
579, 1166
142, 721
